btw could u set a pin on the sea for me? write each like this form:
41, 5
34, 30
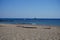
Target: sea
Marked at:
34, 21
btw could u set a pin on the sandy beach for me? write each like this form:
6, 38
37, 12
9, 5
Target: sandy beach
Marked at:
28, 32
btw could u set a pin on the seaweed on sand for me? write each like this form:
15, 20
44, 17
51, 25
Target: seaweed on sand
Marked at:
1, 25
29, 27
26, 27
47, 28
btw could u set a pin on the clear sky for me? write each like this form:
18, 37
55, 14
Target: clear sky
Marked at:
29, 8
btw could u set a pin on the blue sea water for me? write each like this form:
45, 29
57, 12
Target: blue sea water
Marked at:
55, 22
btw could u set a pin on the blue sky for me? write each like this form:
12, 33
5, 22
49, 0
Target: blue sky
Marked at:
29, 8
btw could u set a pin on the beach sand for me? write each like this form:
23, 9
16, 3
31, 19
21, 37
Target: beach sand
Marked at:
28, 32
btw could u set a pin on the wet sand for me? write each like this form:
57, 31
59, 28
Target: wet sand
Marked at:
28, 32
